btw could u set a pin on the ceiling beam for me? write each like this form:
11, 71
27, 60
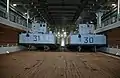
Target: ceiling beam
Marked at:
62, 13
46, 4
59, 4
63, 9
62, 20
62, 17
48, 16
81, 8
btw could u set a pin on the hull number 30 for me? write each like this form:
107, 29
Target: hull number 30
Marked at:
88, 40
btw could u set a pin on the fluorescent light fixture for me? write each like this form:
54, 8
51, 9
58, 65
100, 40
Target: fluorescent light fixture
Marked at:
58, 32
61, 35
62, 29
91, 22
14, 4
64, 33
34, 6
62, 42
32, 3
114, 5
25, 13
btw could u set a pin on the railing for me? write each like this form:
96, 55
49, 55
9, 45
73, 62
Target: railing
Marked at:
14, 16
110, 17
3, 14
8, 45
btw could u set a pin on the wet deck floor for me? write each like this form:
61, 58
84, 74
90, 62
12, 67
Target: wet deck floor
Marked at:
58, 65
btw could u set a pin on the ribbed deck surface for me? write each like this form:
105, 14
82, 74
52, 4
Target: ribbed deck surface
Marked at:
58, 65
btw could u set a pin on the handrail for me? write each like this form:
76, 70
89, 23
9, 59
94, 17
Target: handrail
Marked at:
14, 10
110, 17
8, 45
15, 16
109, 13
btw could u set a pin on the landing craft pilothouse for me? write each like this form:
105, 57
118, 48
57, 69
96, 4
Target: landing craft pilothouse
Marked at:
85, 38
39, 37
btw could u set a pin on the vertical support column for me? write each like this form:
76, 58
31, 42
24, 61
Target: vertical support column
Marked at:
118, 10
28, 20
99, 23
34, 19
8, 5
117, 46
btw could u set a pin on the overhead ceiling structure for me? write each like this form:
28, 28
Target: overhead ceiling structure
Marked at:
63, 11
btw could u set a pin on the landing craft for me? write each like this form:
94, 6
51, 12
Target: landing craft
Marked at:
39, 37
85, 39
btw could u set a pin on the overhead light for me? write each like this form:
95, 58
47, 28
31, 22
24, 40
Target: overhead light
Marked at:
91, 22
14, 4
58, 32
114, 5
25, 13
58, 35
61, 35
62, 29
64, 33
32, 3
34, 6
90, 7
